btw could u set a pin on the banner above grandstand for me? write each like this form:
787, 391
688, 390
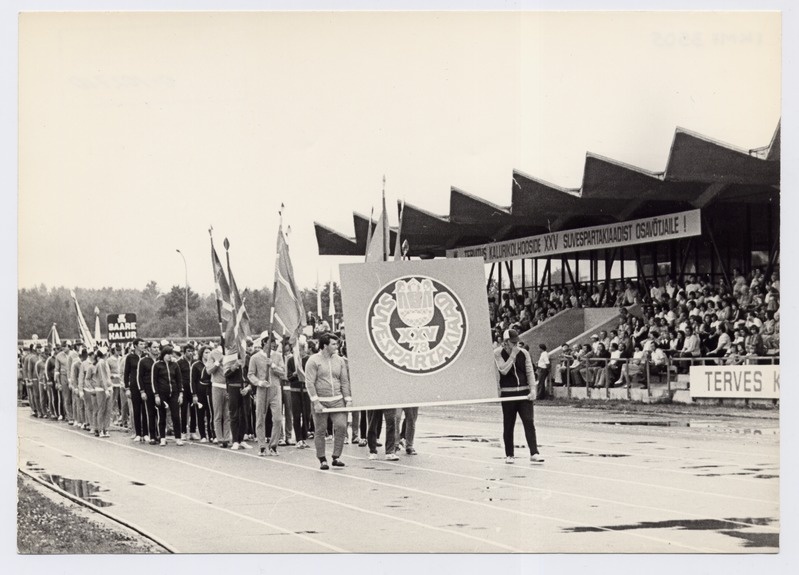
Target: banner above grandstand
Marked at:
656, 229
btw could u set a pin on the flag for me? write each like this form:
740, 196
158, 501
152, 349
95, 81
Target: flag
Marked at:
332, 307
83, 328
97, 335
369, 233
241, 323
52, 338
289, 312
224, 306
398, 243
318, 298
377, 249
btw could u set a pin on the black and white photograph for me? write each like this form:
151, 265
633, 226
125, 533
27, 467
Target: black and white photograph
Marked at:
477, 282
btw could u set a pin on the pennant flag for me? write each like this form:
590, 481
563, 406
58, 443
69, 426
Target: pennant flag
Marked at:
225, 310
332, 308
52, 338
98, 336
241, 323
398, 244
378, 249
83, 328
318, 298
289, 312
369, 233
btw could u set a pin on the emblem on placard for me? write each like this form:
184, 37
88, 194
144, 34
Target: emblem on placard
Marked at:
417, 325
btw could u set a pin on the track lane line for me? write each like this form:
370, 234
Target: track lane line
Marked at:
192, 499
299, 493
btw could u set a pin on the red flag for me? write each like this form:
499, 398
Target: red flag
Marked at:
241, 321
226, 311
289, 311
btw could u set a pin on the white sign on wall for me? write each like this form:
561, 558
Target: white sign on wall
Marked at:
736, 381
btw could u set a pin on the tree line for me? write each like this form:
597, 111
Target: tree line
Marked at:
158, 313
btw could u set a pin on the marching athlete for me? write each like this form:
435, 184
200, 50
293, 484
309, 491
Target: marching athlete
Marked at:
515, 380
167, 387
328, 386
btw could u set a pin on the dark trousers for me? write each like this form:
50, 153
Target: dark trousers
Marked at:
375, 423
236, 416
300, 406
307, 415
288, 413
171, 401
248, 413
543, 375
205, 416
139, 412
153, 415
188, 415
524, 407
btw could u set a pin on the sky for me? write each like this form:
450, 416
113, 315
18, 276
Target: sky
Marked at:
139, 131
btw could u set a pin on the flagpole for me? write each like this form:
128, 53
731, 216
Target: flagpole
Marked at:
274, 287
218, 303
385, 223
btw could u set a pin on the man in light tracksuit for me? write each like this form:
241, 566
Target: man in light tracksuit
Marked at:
62, 383
219, 396
328, 385
265, 372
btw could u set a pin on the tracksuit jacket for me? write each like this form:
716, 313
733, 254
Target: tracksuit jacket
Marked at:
327, 379
165, 378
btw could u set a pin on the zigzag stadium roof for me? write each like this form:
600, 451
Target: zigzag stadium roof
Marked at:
699, 171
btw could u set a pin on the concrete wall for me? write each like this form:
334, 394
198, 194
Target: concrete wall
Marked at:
561, 327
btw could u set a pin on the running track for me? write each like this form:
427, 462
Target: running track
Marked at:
609, 485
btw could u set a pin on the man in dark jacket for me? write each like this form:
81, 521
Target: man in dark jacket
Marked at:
188, 417
167, 385
133, 392
144, 374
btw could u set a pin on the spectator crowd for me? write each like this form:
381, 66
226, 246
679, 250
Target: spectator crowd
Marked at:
733, 323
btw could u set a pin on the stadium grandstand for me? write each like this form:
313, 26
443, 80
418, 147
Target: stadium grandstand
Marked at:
633, 259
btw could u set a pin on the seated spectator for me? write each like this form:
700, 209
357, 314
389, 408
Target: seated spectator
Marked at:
594, 367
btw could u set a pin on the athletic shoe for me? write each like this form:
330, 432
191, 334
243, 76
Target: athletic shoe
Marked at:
282, 443
245, 445
402, 443
536, 458
236, 446
337, 463
392, 457
410, 451
204, 440
262, 452
355, 440
146, 438
302, 445
223, 445
136, 438
71, 422
104, 434
510, 459
178, 442
60, 418
163, 442
153, 442
362, 443
372, 456
195, 436
273, 452
328, 438
346, 442
290, 443
213, 440
96, 433
379, 444
323, 465
310, 435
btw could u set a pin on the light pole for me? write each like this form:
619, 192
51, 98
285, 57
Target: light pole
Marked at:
186, 269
